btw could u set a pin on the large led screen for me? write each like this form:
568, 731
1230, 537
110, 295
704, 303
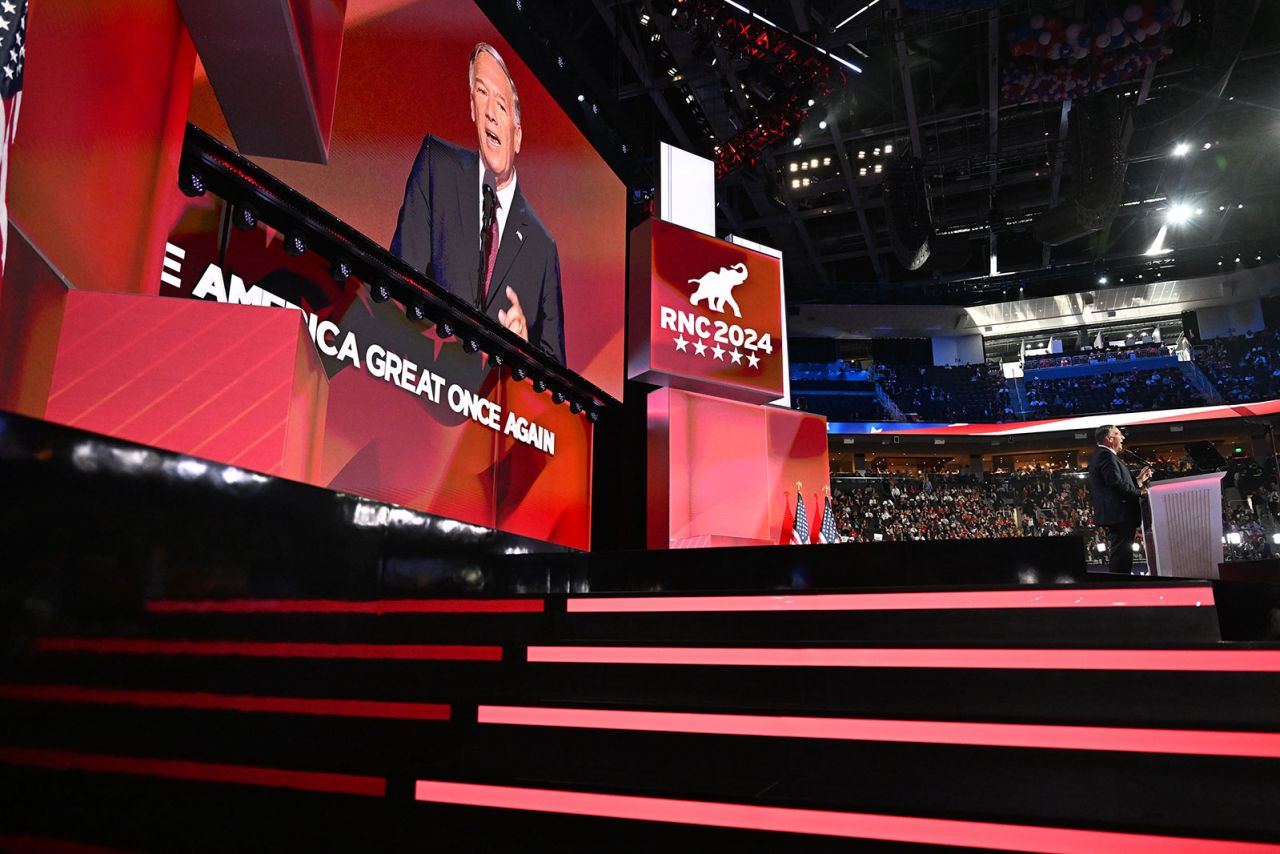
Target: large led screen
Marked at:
427, 134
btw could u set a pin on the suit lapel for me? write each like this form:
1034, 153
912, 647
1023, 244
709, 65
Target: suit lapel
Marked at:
513, 236
469, 206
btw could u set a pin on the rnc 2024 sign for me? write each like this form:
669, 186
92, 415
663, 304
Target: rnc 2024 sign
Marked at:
705, 315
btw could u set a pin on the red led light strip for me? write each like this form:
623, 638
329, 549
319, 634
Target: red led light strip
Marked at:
1233, 660
1194, 742
184, 769
47, 845
372, 651
338, 606
226, 702
1121, 597
894, 828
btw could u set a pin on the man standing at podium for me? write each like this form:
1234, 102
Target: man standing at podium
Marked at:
1116, 496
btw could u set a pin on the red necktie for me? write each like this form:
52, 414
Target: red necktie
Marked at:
491, 254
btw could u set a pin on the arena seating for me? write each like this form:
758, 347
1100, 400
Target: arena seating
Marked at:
1241, 369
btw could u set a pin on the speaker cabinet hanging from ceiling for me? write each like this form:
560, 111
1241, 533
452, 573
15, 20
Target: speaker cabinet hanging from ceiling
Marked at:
1099, 139
906, 207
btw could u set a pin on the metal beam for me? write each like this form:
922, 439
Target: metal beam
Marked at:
908, 93
993, 128
638, 65
1055, 180
846, 172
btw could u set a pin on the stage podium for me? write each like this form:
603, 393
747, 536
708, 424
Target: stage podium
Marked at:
1184, 528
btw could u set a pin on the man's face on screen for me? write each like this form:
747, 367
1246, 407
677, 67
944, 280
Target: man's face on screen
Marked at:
493, 111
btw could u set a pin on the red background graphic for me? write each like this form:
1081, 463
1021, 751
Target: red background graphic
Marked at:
392, 91
675, 256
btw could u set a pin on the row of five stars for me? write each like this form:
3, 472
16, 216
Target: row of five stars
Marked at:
735, 355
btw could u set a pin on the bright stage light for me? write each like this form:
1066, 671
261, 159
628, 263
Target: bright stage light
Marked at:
1234, 538
1179, 214
1182, 149
1102, 547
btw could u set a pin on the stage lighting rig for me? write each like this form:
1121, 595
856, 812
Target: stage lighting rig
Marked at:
340, 270
244, 216
558, 396
519, 372
539, 385
294, 243
444, 329
470, 344
415, 311
192, 183
380, 291
575, 407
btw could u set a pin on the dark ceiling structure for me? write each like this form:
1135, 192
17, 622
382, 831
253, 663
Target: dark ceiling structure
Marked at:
935, 151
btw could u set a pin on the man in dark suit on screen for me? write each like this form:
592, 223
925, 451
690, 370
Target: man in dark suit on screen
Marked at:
1116, 496
466, 225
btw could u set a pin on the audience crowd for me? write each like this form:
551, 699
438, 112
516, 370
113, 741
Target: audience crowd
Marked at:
1243, 368
1121, 391
1030, 504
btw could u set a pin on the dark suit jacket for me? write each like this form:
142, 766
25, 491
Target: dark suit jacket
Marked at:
438, 233
1115, 492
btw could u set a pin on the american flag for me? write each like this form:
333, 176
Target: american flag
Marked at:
827, 530
13, 58
800, 530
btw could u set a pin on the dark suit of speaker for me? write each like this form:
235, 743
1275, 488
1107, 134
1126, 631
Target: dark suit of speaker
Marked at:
438, 233
1116, 505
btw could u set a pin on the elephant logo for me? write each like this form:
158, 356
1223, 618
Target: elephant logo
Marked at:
716, 287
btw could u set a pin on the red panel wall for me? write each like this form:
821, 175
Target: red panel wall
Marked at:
221, 382
104, 110
723, 472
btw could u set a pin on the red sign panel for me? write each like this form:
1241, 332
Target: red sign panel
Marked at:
706, 315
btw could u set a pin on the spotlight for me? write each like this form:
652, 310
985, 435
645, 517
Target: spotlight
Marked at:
1102, 280
1182, 149
415, 311
576, 407
470, 344
1237, 259
245, 217
796, 141
822, 125
191, 183
444, 329
380, 291
519, 372
539, 385
340, 270
1178, 214
1208, 145
581, 98
594, 415
497, 359
294, 244
558, 396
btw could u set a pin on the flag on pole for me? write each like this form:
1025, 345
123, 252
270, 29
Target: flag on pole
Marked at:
800, 529
13, 58
827, 529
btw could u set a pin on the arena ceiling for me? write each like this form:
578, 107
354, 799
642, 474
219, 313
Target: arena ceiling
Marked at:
942, 81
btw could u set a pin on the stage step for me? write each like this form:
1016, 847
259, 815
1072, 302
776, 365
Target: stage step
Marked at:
1097, 717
